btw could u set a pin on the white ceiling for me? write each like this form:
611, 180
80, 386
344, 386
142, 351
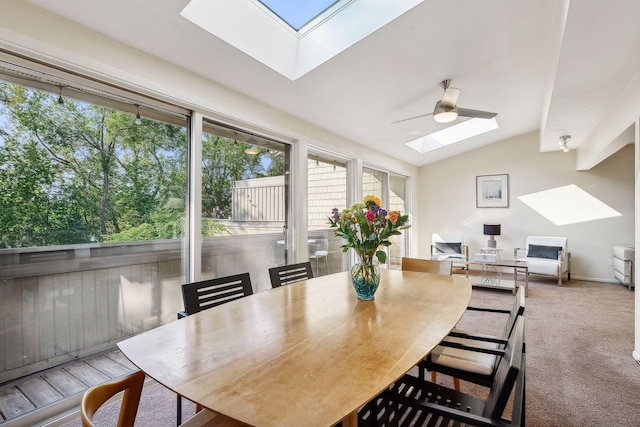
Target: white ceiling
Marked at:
550, 65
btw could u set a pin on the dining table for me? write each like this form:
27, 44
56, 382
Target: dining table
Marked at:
309, 353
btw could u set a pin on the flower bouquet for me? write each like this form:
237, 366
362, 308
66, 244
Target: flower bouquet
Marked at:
366, 227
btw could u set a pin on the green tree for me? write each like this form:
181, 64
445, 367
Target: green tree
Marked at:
82, 172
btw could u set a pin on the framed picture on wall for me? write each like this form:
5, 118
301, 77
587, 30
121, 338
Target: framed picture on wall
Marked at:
492, 191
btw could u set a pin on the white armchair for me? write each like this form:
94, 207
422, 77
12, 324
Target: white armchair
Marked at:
546, 255
449, 247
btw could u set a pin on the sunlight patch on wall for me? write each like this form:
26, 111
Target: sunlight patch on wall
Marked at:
568, 205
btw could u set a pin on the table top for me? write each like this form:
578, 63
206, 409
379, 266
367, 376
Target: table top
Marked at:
308, 353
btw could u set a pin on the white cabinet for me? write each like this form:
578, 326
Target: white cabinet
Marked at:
623, 258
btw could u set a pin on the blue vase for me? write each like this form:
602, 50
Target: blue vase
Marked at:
365, 277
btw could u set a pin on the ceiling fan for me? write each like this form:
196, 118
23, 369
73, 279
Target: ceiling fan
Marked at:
447, 110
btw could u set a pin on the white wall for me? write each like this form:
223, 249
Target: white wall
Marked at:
445, 193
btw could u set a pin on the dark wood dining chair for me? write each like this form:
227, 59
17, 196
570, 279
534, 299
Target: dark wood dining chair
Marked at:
198, 296
411, 401
470, 356
97, 395
427, 265
286, 274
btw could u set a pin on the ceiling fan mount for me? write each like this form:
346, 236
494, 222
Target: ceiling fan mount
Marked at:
446, 110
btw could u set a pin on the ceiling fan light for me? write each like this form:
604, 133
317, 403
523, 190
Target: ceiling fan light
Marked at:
444, 113
445, 117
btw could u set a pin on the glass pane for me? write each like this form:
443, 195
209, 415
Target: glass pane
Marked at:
92, 207
373, 182
297, 13
397, 198
327, 189
244, 199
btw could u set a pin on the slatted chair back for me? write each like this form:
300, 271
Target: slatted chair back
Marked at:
97, 395
286, 274
517, 310
411, 401
427, 265
202, 295
507, 373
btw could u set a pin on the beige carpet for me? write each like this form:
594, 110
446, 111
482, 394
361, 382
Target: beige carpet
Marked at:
580, 371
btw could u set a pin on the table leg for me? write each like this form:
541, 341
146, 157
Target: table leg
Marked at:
350, 420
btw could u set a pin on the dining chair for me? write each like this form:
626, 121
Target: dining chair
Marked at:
470, 356
427, 265
286, 274
97, 395
198, 296
411, 401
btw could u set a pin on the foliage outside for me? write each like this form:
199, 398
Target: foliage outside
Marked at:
85, 173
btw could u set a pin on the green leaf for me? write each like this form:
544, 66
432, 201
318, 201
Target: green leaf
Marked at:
382, 256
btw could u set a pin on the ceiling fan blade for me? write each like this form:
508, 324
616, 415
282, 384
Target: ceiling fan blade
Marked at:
450, 96
466, 112
411, 118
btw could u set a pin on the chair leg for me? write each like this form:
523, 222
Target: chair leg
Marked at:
456, 384
178, 410
433, 376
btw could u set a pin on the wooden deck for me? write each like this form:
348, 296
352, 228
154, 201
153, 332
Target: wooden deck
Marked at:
39, 396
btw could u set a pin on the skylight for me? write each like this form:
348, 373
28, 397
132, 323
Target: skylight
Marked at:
453, 134
568, 205
298, 13
253, 27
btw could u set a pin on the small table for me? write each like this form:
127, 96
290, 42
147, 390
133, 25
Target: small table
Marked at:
308, 353
495, 251
519, 267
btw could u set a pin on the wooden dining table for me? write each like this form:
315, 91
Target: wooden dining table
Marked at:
309, 353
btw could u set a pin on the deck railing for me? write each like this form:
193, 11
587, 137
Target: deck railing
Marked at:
61, 303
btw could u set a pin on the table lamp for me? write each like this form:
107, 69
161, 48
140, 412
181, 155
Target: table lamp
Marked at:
491, 230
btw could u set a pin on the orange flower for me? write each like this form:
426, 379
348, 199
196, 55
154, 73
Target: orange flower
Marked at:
393, 216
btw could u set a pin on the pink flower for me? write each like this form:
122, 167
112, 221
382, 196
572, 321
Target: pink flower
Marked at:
370, 215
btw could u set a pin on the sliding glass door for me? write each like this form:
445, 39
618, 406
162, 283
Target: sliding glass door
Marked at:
244, 203
391, 190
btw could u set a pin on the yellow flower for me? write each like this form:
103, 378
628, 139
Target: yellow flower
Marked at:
374, 199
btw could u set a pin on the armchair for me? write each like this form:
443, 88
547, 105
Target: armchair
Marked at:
546, 255
449, 247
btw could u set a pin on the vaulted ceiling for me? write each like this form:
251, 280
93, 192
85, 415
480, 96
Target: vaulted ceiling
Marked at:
560, 67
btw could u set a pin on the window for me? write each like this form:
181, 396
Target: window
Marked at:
391, 190
326, 189
244, 203
92, 208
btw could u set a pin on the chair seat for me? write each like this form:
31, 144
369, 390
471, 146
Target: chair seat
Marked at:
466, 360
543, 266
